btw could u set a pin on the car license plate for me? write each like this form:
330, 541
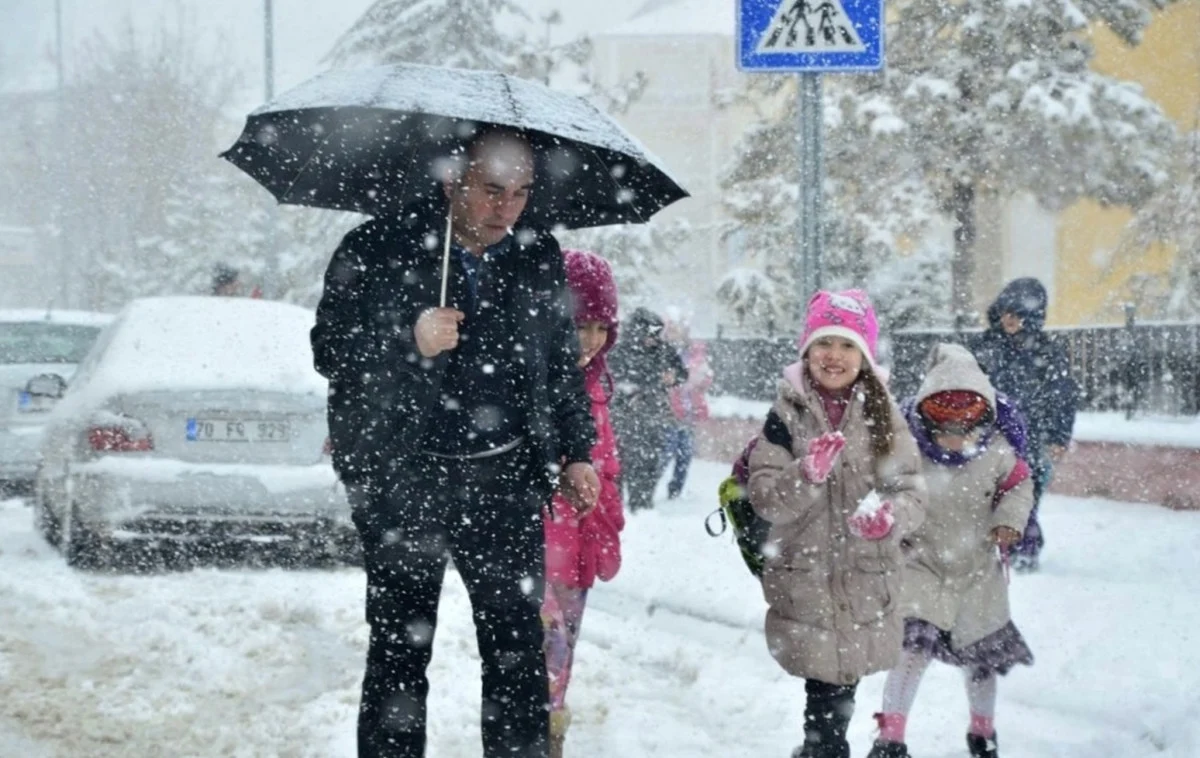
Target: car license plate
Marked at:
237, 430
29, 403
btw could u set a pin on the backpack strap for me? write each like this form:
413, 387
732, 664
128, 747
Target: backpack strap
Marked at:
776, 431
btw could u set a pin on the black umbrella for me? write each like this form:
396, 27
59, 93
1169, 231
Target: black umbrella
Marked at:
373, 140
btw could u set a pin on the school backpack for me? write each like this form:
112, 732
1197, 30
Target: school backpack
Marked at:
749, 529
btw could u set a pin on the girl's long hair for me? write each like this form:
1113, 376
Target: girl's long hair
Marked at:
877, 409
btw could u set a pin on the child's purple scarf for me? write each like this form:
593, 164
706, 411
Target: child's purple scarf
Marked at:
1009, 422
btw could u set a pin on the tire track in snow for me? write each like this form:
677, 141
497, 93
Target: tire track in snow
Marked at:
102, 665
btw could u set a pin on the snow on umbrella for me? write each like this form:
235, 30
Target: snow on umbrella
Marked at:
374, 140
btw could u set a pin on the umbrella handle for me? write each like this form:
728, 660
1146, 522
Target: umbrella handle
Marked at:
446, 254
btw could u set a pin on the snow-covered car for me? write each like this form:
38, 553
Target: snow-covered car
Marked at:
193, 419
34, 345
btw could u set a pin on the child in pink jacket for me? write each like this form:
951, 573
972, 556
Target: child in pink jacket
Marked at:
580, 550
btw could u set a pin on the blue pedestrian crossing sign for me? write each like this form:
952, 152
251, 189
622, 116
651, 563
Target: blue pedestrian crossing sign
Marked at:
810, 35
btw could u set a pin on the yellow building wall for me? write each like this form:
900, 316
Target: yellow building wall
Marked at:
1090, 284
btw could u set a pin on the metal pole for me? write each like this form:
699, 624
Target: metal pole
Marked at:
272, 289
808, 263
64, 267
269, 49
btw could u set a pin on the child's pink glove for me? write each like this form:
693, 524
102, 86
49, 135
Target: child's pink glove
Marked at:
822, 454
873, 526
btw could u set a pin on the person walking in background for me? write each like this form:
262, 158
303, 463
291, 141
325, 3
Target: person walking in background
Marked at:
226, 281
689, 402
645, 367
955, 591
583, 548
1026, 365
837, 474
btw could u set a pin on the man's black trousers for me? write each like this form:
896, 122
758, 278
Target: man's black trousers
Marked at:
486, 515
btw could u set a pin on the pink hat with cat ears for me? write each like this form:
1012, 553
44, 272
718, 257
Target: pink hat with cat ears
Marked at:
847, 314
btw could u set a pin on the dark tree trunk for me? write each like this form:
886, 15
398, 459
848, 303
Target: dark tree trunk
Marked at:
962, 268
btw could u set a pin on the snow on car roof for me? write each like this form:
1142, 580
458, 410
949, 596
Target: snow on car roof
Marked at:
208, 343
52, 316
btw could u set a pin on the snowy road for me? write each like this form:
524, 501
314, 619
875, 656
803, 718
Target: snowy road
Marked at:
260, 663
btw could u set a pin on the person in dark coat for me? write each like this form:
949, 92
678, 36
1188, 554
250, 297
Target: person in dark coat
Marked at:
226, 281
450, 427
1025, 364
645, 366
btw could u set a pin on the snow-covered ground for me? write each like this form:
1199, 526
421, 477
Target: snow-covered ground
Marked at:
260, 663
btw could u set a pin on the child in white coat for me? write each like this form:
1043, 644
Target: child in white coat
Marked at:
955, 589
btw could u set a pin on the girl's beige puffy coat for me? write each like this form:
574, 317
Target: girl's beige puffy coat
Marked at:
834, 598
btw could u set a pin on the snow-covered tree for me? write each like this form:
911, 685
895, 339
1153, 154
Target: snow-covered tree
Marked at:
876, 205
456, 33
639, 254
144, 204
753, 297
1172, 217
494, 35
998, 96
979, 97
138, 136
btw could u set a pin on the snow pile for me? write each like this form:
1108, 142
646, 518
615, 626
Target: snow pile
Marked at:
1163, 431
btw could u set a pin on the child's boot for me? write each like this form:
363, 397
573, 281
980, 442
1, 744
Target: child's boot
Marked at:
983, 747
826, 719
889, 750
890, 742
559, 722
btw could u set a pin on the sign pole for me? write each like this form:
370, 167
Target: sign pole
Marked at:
809, 38
272, 287
812, 176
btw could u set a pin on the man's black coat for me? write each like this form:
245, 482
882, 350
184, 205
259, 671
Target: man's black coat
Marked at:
384, 274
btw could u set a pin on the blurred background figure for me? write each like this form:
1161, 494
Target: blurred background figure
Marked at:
1024, 363
689, 403
645, 367
226, 281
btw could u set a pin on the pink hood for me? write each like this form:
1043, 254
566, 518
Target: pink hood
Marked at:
593, 298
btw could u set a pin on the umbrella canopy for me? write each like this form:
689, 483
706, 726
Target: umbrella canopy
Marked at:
374, 140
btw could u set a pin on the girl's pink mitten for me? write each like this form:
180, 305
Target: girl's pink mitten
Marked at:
822, 454
874, 526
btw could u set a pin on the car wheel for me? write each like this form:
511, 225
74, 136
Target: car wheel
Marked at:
44, 519
80, 547
350, 551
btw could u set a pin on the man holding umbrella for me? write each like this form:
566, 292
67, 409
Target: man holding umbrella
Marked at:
456, 406
450, 424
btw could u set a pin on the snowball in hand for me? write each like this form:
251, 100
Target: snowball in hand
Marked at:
868, 506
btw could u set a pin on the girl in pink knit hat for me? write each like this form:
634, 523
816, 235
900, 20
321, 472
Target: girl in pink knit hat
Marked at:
837, 474
581, 549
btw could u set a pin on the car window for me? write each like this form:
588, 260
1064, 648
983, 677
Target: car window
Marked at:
36, 342
95, 354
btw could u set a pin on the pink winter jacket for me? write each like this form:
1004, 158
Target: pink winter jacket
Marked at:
689, 400
578, 551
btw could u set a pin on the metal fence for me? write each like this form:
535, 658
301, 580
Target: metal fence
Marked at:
1137, 368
